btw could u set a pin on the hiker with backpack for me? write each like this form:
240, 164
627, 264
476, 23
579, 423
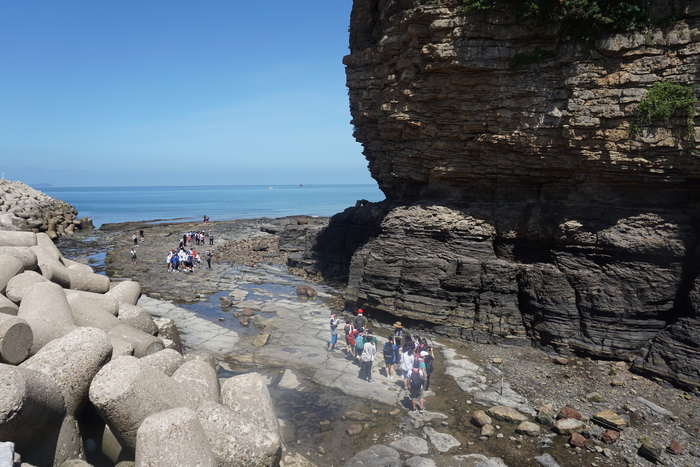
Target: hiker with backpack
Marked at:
359, 345
389, 352
416, 381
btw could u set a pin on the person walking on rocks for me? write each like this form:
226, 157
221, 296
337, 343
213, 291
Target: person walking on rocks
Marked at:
369, 350
334, 331
211, 238
208, 256
133, 256
135, 238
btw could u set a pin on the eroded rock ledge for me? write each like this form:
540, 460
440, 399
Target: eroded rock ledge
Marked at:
519, 205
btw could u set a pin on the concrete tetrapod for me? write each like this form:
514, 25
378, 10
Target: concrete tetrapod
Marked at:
248, 397
173, 437
126, 391
15, 339
87, 281
23, 253
51, 268
9, 268
12, 238
72, 361
237, 441
106, 302
19, 284
7, 306
126, 292
167, 361
87, 312
45, 307
200, 379
137, 317
31, 409
45, 242
144, 344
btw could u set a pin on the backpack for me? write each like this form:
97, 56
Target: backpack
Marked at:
359, 342
428, 364
351, 337
388, 350
416, 379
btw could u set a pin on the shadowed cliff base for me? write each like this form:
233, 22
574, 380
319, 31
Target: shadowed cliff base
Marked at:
523, 204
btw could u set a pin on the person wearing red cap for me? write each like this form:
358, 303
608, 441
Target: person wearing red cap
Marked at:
360, 321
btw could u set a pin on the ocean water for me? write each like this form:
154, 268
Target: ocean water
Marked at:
122, 204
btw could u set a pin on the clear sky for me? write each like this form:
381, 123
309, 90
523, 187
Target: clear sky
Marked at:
122, 93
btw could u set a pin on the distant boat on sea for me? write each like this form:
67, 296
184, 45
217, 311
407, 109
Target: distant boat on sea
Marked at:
300, 184
270, 188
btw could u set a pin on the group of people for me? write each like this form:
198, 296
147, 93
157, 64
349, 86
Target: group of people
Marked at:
411, 355
186, 260
196, 238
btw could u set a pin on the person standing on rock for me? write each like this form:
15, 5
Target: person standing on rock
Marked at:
406, 365
133, 256
348, 329
369, 350
208, 256
389, 352
360, 321
398, 334
416, 381
211, 238
334, 332
135, 238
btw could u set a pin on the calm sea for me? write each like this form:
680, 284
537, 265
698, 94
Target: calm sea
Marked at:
121, 204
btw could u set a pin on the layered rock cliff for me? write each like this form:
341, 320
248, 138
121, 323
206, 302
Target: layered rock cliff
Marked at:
520, 206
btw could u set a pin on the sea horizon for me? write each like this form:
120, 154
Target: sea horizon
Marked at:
116, 204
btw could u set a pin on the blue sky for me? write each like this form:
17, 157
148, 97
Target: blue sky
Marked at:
122, 93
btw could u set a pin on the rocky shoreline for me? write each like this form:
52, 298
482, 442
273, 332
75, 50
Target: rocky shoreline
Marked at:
471, 374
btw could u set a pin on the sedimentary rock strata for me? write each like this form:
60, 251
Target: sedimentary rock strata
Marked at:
520, 205
26, 209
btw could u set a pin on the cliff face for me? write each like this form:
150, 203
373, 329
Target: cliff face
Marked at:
519, 205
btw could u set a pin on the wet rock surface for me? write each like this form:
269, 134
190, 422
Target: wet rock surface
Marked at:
465, 380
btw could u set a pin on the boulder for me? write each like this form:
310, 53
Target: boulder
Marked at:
506, 414
566, 426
